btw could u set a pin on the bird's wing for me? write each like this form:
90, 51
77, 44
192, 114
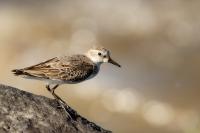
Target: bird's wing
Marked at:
74, 68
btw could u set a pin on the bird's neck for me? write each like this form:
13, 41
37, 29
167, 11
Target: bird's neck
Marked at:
98, 65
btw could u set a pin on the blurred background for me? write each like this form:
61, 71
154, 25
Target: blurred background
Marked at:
157, 42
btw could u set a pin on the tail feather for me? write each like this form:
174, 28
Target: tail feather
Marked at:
18, 72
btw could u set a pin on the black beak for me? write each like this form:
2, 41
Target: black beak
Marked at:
113, 62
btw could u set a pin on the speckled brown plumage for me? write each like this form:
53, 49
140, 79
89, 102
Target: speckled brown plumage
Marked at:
74, 68
67, 70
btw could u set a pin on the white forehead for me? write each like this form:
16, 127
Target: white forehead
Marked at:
103, 51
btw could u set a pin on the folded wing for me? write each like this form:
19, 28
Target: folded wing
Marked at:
75, 68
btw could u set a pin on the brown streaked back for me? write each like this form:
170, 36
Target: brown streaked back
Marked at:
74, 68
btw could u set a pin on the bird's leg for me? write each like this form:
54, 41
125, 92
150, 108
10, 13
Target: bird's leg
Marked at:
56, 96
52, 91
60, 101
48, 88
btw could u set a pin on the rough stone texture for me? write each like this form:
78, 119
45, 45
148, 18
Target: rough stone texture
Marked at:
23, 112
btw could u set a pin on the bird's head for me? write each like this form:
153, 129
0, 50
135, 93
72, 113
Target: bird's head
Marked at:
101, 55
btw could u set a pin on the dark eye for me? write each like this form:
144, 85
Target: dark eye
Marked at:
104, 56
99, 54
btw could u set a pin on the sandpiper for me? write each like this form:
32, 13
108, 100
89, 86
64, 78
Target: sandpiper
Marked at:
67, 69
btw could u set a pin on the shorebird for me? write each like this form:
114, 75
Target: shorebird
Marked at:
67, 69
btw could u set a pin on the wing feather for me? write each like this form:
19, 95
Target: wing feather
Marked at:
74, 68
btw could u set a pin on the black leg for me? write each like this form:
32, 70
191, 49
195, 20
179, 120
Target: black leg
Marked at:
62, 103
52, 90
55, 95
48, 88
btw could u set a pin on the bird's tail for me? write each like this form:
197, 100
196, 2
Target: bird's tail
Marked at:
18, 72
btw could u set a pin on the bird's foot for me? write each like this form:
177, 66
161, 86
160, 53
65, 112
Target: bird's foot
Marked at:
58, 105
65, 107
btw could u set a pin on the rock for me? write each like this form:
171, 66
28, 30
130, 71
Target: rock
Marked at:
23, 112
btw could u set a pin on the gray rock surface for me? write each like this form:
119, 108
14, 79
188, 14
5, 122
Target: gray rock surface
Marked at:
23, 112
